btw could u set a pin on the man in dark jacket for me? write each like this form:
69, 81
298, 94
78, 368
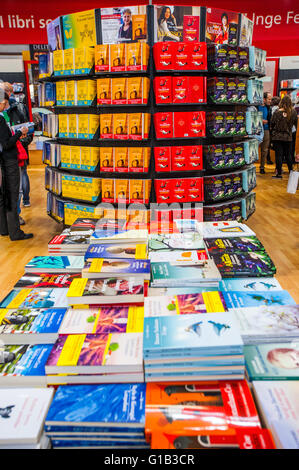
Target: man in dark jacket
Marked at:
18, 114
265, 145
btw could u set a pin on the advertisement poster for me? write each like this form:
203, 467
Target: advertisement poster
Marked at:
222, 26
176, 23
54, 35
79, 29
246, 31
124, 24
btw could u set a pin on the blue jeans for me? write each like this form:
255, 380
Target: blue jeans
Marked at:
24, 185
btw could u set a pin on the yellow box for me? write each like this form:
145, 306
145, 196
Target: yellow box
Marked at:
94, 122
135, 126
58, 62
60, 93
120, 126
134, 56
107, 190
102, 58
83, 126
86, 92
135, 90
119, 90
71, 93
85, 158
63, 124
104, 91
136, 160
137, 191
106, 159
84, 60
106, 126
75, 157
121, 159
121, 190
68, 62
94, 157
117, 57
73, 126
65, 156
146, 125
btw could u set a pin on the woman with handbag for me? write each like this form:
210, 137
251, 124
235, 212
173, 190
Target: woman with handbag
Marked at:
9, 190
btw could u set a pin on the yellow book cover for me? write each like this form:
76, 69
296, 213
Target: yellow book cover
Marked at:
96, 265
104, 90
121, 159
60, 93
68, 62
73, 125
135, 126
120, 126
84, 26
71, 350
83, 126
102, 58
19, 299
108, 190
106, 126
65, 153
106, 159
85, 158
136, 191
133, 56
58, 62
84, 60
119, 90
63, 124
94, 122
135, 90
139, 29
71, 93
75, 157
117, 57
86, 92
135, 159
121, 190
96, 188
94, 157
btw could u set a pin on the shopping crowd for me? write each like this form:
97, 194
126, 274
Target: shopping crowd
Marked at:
14, 159
280, 121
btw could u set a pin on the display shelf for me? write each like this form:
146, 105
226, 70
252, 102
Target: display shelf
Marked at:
81, 201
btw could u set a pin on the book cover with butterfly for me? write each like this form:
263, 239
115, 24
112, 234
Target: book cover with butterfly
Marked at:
206, 334
79, 29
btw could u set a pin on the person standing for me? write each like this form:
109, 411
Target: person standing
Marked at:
294, 134
18, 114
281, 128
9, 191
265, 145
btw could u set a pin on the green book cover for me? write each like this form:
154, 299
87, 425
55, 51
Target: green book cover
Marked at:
274, 361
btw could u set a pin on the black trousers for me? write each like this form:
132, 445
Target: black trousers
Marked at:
283, 150
9, 195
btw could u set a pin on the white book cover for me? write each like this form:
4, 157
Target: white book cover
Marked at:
226, 229
22, 414
178, 257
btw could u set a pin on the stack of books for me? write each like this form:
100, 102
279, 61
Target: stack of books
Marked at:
23, 412
73, 240
202, 415
97, 416
192, 347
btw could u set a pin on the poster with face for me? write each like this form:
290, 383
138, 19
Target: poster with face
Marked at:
176, 23
246, 31
222, 26
124, 24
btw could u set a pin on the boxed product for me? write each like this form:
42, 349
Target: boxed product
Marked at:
139, 159
213, 213
94, 158
164, 190
71, 93
138, 90
198, 56
214, 156
85, 163
135, 126
86, 92
228, 152
194, 190
195, 157
58, 63
118, 57
255, 91
257, 60
248, 205
251, 150
217, 89
60, 93
191, 28
120, 126
223, 186
163, 55
75, 157
65, 156
63, 125
43, 65
93, 125
137, 56
122, 190
181, 56
232, 89
254, 122
140, 191
230, 123
108, 190
179, 158
196, 123
106, 126
242, 84
83, 126
73, 126
233, 58
104, 91
102, 58
69, 62
106, 159
249, 179
240, 123
218, 57
163, 90
239, 154
84, 60
243, 59
119, 90
189, 89
162, 158
216, 123
50, 94
121, 163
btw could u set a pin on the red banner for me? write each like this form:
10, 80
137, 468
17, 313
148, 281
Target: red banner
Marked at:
276, 23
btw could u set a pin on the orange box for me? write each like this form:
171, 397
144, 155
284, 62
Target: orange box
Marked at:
135, 126
104, 91
107, 190
120, 126
117, 57
106, 126
119, 90
106, 159
121, 190
102, 58
121, 159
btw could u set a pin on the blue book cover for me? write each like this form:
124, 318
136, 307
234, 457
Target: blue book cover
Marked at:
44, 264
36, 298
257, 299
43, 65
108, 404
24, 360
115, 431
50, 93
63, 443
207, 333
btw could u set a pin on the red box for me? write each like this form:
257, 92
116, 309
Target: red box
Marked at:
180, 89
194, 191
181, 124
179, 158
197, 124
191, 28
195, 159
197, 90
179, 191
164, 190
198, 56
162, 158
163, 89
164, 125
163, 55
181, 56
